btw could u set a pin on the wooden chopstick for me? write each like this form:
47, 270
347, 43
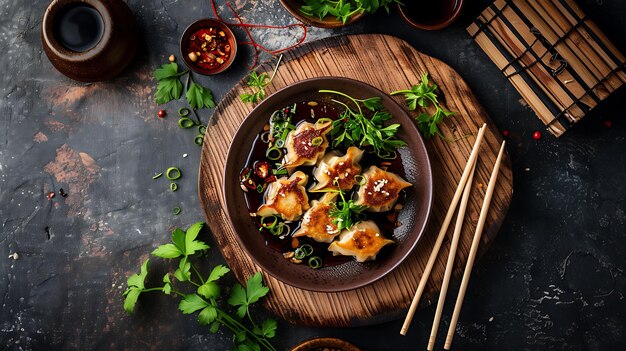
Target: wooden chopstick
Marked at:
442, 232
475, 242
451, 255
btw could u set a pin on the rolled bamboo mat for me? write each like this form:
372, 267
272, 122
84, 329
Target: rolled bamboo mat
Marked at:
557, 59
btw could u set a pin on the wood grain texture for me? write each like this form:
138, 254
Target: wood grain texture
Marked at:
389, 64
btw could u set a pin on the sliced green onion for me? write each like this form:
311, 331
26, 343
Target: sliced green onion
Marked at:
273, 220
308, 249
274, 153
387, 155
199, 139
259, 188
265, 137
202, 129
157, 176
186, 123
176, 211
359, 179
173, 173
173, 186
280, 143
317, 141
277, 229
183, 112
280, 229
315, 262
280, 171
323, 120
299, 254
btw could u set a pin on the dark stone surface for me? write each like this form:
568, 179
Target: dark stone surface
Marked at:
554, 278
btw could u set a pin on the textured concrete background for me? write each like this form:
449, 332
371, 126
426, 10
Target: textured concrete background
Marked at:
554, 278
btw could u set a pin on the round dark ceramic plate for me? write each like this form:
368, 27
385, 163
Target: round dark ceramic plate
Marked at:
352, 274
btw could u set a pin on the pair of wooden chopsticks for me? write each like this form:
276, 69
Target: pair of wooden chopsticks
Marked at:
464, 190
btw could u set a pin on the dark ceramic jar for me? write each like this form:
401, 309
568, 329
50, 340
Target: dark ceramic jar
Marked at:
111, 32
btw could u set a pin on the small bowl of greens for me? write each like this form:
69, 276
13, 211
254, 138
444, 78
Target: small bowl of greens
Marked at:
332, 13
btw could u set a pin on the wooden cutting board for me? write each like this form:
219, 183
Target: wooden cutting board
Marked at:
389, 64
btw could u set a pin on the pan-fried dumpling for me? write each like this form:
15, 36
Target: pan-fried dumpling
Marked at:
317, 223
341, 169
304, 146
380, 189
363, 241
286, 197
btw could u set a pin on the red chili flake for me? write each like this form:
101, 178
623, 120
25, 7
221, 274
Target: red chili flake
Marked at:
537, 135
50, 195
608, 123
161, 113
505, 132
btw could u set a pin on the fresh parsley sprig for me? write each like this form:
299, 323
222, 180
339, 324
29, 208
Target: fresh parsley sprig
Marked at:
354, 128
343, 9
257, 83
169, 87
424, 95
207, 292
345, 213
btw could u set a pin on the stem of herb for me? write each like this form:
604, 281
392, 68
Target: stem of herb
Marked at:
233, 322
197, 273
344, 95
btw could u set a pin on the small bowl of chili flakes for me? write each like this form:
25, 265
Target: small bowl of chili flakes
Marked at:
208, 46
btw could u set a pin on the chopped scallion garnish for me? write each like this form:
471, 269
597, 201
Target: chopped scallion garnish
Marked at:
173, 173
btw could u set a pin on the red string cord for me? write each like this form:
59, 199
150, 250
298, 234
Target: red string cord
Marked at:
246, 27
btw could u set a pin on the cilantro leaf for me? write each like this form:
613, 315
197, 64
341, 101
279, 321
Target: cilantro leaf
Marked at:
344, 212
167, 288
207, 315
354, 128
199, 96
244, 298
217, 272
238, 298
169, 86
257, 82
209, 290
424, 95
178, 238
267, 328
168, 70
192, 245
167, 251
183, 272
192, 303
255, 288
135, 286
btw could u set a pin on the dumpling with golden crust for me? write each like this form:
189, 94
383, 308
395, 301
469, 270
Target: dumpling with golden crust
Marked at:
302, 150
380, 189
340, 169
286, 197
363, 241
316, 223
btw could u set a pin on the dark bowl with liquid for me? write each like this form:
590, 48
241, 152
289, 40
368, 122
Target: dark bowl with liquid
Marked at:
429, 14
89, 40
349, 274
